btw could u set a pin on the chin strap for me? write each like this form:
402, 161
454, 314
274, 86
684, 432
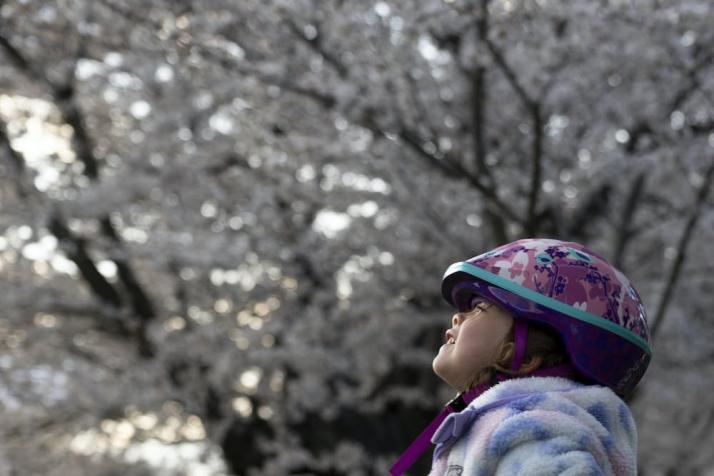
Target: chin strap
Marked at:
520, 338
461, 401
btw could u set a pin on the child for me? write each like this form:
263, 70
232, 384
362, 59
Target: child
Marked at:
562, 316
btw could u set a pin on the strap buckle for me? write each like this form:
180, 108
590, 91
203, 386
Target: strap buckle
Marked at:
457, 403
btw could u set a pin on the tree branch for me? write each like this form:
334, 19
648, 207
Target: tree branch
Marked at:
77, 251
536, 171
478, 98
64, 98
478, 128
16, 163
509, 73
681, 250
451, 168
534, 109
594, 205
411, 138
315, 43
624, 229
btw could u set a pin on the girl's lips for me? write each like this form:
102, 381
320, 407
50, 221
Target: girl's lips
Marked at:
445, 346
448, 343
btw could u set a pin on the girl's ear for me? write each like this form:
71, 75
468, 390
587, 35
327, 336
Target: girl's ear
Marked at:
505, 354
532, 363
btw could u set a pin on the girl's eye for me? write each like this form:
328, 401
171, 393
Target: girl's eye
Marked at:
476, 310
479, 307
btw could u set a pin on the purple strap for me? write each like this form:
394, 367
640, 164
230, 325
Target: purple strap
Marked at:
461, 401
520, 336
420, 444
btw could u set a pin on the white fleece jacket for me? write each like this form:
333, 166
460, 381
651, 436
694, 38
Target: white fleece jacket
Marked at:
538, 426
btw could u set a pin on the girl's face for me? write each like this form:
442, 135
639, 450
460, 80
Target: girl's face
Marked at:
471, 343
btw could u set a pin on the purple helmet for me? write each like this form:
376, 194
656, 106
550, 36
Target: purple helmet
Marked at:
565, 286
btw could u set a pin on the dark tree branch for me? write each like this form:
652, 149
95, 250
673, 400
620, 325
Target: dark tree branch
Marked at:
682, 249
81, 141
534, 109
140, 302
64, 97
550, 221
536, 171
478, 128
180, 292
453, 169
594, 205
13, 54
624, 228
326, 100
510, 74
76, 249
478, 98
493, 204
421, 111
315, 43
495, 207
643, 128
90, 357
17, 164
132, 16
439, 221
693, 83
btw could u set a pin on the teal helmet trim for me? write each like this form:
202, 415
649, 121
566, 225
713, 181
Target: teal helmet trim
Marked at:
549, 302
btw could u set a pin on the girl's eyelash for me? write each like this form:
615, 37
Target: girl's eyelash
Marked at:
476, 310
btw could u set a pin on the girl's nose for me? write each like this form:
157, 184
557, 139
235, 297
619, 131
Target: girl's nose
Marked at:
455, 320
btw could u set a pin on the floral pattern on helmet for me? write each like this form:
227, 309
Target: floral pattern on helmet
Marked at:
571, 274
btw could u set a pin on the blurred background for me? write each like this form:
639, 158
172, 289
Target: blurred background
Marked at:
223, 225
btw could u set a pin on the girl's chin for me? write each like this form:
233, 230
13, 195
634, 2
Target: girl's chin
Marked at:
442, 359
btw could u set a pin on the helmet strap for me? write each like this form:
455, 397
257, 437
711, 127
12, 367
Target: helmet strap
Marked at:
520, 338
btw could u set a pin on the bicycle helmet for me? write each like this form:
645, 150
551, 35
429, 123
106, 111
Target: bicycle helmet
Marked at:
592, 306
